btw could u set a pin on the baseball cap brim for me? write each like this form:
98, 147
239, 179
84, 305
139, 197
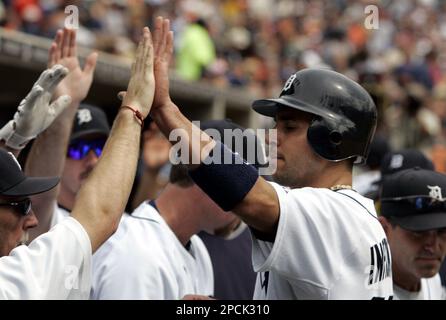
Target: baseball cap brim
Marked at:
269, 107
31, 185
92, 132
422, 222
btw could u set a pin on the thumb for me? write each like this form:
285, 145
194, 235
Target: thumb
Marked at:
90, 62
121, 95
60, 105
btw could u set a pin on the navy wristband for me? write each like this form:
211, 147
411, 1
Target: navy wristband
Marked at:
226, 184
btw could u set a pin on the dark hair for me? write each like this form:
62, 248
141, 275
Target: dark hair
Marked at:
179, 175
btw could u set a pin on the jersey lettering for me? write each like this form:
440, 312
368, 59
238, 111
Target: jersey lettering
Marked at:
380, 263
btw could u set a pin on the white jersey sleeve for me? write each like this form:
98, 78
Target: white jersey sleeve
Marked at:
145, 260
56, 265
59, 214
328, 245
121, 273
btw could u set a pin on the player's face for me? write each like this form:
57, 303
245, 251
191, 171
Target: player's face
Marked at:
14, 226
297, 164
419, 254
76, 171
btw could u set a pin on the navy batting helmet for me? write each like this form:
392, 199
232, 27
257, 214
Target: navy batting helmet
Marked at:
344, 113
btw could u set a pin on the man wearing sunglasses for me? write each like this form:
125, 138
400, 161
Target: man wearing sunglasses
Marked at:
57, 265
90, 130
413, 215
16, 214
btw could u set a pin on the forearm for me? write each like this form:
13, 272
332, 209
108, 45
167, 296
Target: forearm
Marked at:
258, 205
102, 199
169, 118
47, 158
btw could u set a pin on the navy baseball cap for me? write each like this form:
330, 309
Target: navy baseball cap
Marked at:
90, 121
15, 184
404, 159
413, 199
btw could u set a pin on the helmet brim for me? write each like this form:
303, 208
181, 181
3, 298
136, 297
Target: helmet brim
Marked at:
269, 107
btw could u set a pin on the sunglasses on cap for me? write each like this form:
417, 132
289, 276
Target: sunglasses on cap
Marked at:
23, 206
80, 148
420, 203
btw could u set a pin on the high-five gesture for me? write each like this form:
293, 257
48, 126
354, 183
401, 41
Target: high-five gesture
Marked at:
163, 46
141, 88
64, 51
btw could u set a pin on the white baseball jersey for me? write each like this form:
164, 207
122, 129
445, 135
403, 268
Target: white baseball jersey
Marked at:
431, 289
59, 214
329, 245
145, 260
56, 265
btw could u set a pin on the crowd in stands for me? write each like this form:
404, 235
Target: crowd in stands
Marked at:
255, 45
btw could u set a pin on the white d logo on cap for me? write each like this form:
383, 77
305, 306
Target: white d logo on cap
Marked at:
289, 82
435, 192
396, 161
83, 116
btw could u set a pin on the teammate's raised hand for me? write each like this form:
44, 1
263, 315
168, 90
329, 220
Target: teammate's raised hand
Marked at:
141, 88
35, 113
163, 46
64, 51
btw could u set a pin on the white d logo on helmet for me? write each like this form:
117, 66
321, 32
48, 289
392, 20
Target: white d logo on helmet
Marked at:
435, 193
289, 82
83, 116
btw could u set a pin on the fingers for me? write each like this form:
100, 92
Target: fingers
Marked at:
52, 55
148, 49
169, 45
163, 39
165, 32
58, 72
90, 63
157, 34
138, 59
65, 47
30, 100
72, 47
51, 77
58, 41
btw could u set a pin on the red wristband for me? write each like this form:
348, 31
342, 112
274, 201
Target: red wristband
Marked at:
137, 114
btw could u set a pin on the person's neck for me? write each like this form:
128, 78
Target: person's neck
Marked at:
178, 207
66, 199
334, 175
404, 280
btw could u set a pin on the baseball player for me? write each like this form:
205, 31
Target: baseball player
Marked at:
316, 238
413, 215
57, 265
156, 254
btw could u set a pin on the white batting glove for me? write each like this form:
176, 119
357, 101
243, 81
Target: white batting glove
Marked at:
35, 113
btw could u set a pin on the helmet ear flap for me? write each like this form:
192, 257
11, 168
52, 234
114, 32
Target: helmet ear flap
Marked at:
335, 137
325, 139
